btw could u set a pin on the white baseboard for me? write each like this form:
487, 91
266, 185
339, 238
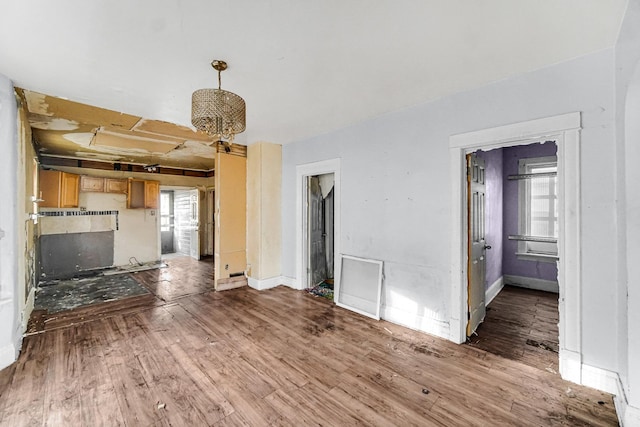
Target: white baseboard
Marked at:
531, 283
570, 366
433, 326
493, 290
600, 379
8, 355
628, 416
272, 282
262, 284
291, 282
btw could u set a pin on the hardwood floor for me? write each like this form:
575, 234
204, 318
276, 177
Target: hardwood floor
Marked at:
182, 276
522, 325
278, 357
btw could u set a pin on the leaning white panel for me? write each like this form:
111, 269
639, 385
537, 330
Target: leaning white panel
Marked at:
360, 286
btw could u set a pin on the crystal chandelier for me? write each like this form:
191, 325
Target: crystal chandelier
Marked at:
219, 113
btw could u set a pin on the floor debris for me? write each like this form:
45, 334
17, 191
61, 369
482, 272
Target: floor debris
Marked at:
324, 290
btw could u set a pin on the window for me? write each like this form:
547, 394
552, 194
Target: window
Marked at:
538, 208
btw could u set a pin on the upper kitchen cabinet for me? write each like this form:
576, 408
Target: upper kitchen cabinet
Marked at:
59, 189
143, 194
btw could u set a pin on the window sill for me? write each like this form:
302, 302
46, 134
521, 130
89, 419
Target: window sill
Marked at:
537, 257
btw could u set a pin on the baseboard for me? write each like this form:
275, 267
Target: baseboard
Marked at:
493, 290
532, 283
600, 379
291, 282
231, 283
8, 355
262, 284
628, 416
433, 326
570, 366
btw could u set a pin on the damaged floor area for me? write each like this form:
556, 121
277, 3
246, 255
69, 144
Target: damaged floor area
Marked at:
273, 357
522, 325
61, 303
61, 295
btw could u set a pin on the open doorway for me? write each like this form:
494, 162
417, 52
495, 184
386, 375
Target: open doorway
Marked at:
320, 230
303, 258
512, 216
180, 222
565, 130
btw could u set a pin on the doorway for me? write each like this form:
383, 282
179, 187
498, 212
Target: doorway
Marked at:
320, 229
166, 222
331, 209
565, 129
512, 257
180, 222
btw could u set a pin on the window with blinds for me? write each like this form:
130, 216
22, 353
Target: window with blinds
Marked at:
538, 207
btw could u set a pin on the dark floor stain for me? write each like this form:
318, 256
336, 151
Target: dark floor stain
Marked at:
545, 346
61, 295
423, 349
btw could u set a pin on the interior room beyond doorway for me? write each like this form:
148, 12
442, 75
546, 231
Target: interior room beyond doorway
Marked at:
517, 263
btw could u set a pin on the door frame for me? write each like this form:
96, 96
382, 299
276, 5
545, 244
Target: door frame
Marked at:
302, 256
565, 130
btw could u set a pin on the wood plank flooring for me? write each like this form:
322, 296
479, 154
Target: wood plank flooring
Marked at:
522, 325
278, 357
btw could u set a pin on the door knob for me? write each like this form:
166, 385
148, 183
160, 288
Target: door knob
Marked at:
487, 246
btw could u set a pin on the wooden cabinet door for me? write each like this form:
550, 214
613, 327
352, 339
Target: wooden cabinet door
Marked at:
69, 190
59, 189
50, 188
151, 194
114, 185
91, 183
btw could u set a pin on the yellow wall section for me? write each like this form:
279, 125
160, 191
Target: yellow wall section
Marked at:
231, 215
264, 176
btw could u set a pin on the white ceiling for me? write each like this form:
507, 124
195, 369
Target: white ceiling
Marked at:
303, 67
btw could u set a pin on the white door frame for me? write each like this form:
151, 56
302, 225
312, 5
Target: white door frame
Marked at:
302, 173
565, 130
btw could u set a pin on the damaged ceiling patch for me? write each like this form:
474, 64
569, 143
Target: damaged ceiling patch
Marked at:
37, 104
52, 123
133, 141
80, 138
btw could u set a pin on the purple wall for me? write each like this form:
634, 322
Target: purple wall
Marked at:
510, 263
493, 217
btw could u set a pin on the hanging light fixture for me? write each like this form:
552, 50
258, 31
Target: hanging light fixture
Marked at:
219, 113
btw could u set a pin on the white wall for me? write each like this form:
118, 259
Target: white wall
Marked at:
10, 324
628, 156
395, 191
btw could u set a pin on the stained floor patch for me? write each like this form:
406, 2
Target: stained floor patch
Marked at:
64, 295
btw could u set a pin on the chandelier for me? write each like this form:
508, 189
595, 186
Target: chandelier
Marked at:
219, 113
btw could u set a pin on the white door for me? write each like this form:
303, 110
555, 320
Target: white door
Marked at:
477, 244
194, 224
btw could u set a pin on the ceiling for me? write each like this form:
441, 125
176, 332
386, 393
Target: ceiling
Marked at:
304, 68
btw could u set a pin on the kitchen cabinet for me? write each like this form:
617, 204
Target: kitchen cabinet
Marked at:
143, 194
91, 183
59, 189
103, 185
114, 185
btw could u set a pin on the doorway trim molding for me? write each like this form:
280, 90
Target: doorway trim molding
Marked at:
565, 130
302, 172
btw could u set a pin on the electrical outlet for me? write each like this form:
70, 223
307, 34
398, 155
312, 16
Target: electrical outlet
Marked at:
226, 266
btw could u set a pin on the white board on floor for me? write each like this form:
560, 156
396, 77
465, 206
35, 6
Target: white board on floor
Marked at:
360, 286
